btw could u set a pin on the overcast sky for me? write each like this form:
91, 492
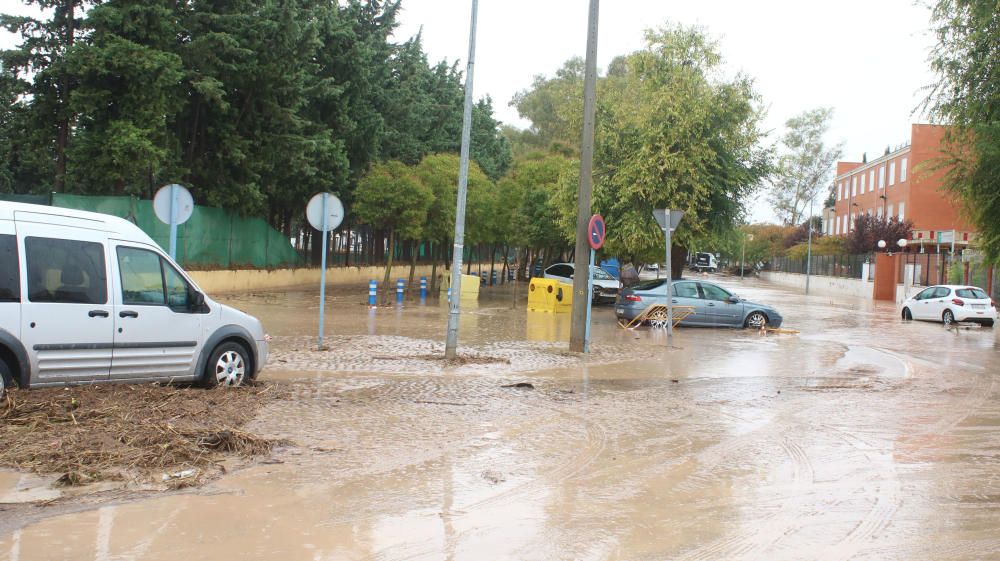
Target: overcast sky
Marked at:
866, 59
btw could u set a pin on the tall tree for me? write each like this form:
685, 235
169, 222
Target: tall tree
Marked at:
390, 198
967, 95
41, 55
804, 165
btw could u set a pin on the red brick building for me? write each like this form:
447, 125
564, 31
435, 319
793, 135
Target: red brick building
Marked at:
903, 184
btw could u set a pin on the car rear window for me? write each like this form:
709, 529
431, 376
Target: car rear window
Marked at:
972, 294
649, 285
10, 286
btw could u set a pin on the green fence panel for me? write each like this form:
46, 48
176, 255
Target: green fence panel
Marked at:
213, 237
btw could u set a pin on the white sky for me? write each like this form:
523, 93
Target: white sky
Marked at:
866, 59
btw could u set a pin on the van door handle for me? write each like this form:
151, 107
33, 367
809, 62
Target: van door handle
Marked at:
98, 313
673, 301
128, 314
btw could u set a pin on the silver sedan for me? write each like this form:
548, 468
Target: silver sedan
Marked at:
713, 305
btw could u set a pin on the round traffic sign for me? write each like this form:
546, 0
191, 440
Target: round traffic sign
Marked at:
334, 211
182, 207
596, 232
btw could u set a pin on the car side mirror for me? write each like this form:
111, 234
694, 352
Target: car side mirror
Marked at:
734, 299
571, 276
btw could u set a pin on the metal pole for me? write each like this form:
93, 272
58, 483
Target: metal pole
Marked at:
743, 257
670, 294
322, 278
590, 291
581, 299
173, 221
454, 308
809, 246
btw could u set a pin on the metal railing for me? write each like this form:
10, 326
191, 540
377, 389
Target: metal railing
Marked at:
843, 266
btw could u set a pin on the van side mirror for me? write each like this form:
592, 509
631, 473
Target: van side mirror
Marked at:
197, 300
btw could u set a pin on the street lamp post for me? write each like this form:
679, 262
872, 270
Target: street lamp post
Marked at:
668, 221
809, 245
454, 307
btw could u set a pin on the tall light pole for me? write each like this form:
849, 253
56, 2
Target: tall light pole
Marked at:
454, 307
809, 245
581, 297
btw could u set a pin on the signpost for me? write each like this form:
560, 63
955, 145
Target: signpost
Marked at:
595, 238
325, 212
668, 221
173, 205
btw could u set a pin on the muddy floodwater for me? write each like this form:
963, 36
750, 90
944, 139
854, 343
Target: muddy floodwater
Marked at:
861, 437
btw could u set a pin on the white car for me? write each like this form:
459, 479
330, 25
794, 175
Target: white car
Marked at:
951, 303
87, 297
606, 287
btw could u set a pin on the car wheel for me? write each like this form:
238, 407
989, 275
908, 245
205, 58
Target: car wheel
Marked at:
907, 316
228, 366
988, 323
756, 320
658, 319
6, 376
948, 317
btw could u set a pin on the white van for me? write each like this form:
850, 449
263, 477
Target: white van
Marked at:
88, 297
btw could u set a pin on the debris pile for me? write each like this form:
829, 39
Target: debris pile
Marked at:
130, 432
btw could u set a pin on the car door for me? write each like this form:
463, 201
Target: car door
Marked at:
719, 310
937, 303
921, 303
158, 334
66, 323
685, 293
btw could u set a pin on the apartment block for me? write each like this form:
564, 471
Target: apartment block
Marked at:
905, 183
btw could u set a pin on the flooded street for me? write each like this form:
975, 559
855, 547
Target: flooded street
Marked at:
861, 437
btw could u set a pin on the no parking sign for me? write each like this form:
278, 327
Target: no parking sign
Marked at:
596, 232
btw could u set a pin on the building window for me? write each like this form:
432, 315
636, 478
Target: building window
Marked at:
879, 213
892, 173
881, 177
839, 218
902, 170
862, 183
871, 178
900, 212
840, 191
854, 186
888, 212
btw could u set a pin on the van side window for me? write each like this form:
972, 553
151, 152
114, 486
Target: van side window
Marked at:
10, 270
142, 278
66, 271
178, 290
148, 280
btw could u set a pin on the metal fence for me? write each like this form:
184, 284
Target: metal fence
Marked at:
967, 267
844, 266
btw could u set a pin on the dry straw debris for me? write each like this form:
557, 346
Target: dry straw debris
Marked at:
130, 432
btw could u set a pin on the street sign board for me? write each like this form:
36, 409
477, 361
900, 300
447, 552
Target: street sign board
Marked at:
183, 204
946, 237
660, 215
334, 211
596, 232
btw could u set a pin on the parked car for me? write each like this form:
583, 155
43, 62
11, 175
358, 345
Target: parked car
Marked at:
951, 303
86, 297
705, 262
713, 305
606, 287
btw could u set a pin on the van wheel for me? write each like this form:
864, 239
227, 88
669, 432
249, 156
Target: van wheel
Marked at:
229, 365
6, 377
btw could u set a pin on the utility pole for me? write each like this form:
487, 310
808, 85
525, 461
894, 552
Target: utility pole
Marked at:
578, 327
454, 306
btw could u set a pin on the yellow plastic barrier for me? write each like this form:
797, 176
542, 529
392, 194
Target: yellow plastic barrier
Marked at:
547, 295
470, 285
